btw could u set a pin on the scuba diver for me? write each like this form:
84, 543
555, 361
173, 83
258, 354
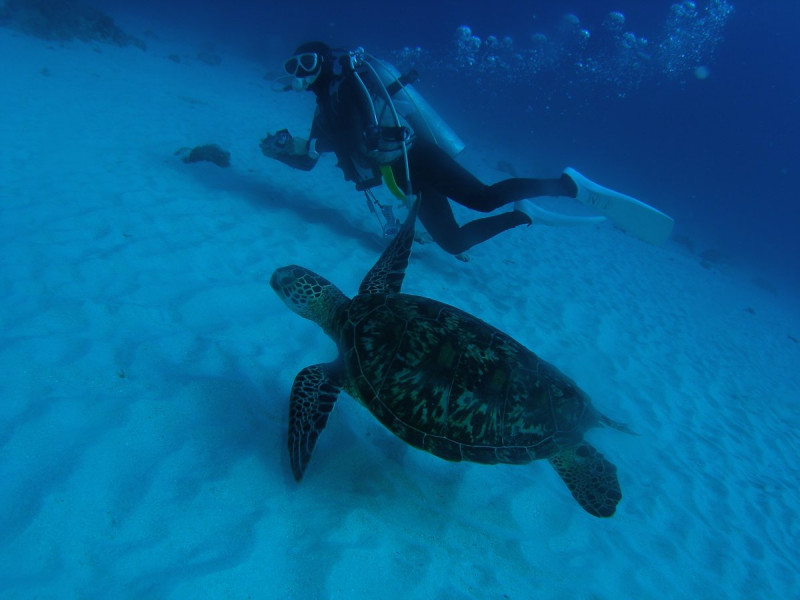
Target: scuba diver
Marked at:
382, 131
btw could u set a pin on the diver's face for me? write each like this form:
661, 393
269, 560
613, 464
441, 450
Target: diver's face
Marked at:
305, 68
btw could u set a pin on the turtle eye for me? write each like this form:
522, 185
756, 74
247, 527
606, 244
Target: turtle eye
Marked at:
282, 279
305, 292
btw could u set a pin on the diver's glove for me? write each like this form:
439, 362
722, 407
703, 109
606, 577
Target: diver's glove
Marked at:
295, 152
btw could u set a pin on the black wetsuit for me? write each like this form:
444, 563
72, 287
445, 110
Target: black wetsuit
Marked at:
338, 126
437, 176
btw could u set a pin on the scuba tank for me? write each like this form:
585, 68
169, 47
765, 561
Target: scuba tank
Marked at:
397, 113
381, 79
410, 104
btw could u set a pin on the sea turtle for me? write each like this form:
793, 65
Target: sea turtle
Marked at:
441, 380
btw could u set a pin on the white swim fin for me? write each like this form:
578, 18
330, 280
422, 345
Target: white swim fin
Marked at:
546, 217
631, 215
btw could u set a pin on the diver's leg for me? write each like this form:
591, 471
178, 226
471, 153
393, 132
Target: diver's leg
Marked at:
519, 188
437, 217
432, 167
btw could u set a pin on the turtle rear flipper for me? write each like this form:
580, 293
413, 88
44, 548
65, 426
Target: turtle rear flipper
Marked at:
314, 392
590, 477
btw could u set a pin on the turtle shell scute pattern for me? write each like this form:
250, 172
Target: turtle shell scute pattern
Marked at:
449, 383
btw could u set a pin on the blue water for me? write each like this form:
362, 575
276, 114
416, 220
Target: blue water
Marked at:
693, 106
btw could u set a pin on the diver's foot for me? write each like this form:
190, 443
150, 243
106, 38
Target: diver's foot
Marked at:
525, 217
590, 193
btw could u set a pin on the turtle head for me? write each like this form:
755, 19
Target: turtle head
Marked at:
309, 295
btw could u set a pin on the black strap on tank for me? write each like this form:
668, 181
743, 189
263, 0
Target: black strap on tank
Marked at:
406, 79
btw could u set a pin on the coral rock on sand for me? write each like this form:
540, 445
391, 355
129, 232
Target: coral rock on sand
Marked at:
208, 153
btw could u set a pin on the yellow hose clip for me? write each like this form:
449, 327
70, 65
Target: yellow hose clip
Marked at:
391, 183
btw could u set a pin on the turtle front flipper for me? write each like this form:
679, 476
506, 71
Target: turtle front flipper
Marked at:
314, 392
590, 477
386, 276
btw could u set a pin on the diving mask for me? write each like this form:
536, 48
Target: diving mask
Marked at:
305, 68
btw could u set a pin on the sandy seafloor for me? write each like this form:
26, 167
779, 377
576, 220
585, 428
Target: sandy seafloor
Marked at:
146, 367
